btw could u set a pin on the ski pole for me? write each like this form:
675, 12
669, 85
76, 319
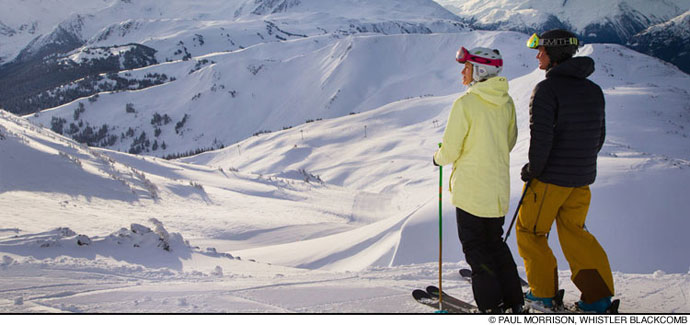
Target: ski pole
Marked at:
517, 210
440, 236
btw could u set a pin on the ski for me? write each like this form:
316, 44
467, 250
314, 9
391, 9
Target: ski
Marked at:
559, 306
425, 298
467, 275
464, 307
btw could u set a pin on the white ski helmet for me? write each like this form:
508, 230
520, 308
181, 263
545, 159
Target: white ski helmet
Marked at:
486, 62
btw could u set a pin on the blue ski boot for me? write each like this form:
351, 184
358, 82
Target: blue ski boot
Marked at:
600, 306
547, 302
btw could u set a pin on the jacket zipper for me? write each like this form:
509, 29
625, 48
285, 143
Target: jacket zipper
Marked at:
540, 206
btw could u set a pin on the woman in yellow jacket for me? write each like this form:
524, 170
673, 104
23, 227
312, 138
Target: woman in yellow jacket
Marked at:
479, 136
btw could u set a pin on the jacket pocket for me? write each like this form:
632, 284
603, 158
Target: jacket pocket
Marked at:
450, 180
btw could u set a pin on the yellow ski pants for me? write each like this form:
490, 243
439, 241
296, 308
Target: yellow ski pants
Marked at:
543, 203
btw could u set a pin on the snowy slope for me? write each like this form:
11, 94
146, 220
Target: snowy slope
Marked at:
255, 229
30, 77
231, 96
393, 159
71, 174
51, 70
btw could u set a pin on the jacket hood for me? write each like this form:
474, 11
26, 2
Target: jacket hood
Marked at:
493, 90
579, 67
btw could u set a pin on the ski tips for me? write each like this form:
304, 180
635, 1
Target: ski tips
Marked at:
432, 291
421, 294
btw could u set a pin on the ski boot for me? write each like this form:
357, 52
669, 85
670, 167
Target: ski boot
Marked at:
554, 303
546, 302
601, 306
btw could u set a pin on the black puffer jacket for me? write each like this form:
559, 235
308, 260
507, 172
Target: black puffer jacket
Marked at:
567, 125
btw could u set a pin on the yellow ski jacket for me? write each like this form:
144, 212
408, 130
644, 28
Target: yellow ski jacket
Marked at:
480, 133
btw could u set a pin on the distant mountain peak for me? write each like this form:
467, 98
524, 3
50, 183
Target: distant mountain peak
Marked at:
599, 21
265, 7
669, 41
611, 21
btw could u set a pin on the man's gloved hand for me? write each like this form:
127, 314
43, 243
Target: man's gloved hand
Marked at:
524, 174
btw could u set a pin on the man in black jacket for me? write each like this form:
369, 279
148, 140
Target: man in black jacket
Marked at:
567, 130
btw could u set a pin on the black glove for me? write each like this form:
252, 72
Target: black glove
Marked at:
524, 174
434, 160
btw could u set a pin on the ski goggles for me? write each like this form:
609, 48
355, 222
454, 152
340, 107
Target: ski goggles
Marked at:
464, 55
534, 41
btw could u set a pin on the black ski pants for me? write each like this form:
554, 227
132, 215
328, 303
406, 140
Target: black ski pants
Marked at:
495, 279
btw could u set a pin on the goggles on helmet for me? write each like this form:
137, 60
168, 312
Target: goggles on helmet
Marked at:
464, 55
534, 41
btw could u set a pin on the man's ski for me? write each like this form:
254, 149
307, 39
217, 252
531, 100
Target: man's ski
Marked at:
467, 275
425, 298
456, 303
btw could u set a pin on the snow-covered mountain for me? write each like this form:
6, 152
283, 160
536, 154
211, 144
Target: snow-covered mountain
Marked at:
669, 41
597, 21
182, 30
344, 205
23, 21
229, 25
222, 98
614, 21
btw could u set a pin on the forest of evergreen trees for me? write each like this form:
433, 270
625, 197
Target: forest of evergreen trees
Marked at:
30, 86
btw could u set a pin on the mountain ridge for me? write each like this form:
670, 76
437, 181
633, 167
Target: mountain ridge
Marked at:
616, 21
669, 41
181, 31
